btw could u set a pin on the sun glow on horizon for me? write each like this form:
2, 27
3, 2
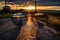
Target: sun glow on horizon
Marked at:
30, 8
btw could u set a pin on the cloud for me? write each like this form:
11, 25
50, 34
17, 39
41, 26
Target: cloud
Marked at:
40, 2
48, 7
39, 7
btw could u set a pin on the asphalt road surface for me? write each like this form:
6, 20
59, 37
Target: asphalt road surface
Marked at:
32, 30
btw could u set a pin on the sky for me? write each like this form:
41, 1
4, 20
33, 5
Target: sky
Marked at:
44, 4
41, 2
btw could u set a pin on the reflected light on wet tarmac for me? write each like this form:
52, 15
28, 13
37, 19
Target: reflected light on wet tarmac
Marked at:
28, 31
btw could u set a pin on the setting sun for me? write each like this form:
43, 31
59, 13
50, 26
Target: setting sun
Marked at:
30, 8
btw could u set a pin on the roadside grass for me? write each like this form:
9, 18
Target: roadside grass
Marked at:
54, 20
5, 15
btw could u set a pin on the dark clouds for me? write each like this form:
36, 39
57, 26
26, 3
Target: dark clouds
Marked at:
40, 2
35, 0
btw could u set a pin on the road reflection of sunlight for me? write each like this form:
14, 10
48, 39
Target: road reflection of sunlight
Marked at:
28, 31
29, 22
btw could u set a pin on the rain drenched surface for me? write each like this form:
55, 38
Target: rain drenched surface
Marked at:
33, 29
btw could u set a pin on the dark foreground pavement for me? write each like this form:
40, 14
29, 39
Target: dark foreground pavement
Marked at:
9, 31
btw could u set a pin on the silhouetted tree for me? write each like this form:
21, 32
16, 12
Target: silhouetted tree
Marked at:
6, 9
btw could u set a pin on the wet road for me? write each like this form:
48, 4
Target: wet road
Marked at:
32, 30
28, 31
